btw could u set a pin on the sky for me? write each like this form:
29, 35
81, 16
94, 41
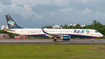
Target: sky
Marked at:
40, 13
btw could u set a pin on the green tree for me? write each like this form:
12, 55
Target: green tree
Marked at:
47, 27
62, 26
65, 26
71, 27
77, 26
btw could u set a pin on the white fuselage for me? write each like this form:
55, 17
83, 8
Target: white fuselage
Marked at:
70, 32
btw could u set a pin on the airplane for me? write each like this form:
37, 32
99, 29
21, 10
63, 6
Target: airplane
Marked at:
64, 34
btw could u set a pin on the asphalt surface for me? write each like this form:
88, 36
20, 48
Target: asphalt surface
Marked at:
50, 41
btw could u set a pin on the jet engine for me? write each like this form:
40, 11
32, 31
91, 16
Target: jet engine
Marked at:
65, 38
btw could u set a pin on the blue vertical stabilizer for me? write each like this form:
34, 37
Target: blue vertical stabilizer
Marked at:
11, 23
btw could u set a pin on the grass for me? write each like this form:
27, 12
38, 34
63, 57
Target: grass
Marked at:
54, 51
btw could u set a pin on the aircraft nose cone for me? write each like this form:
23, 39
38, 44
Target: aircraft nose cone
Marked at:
101, 35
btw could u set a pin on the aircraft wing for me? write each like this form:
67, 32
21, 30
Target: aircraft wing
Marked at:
51, 35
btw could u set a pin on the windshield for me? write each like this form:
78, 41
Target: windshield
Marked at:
96, 32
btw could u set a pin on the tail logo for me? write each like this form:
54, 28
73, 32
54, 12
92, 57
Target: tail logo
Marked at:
11, 23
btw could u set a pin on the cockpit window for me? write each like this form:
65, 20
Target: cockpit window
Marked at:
96, 32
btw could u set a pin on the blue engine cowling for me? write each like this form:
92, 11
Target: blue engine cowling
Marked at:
66, 38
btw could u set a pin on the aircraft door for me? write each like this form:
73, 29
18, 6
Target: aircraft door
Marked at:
24, 31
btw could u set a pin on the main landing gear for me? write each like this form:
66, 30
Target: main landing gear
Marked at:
54, 40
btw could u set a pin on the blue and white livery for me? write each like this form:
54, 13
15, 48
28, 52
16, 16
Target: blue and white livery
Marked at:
55, 34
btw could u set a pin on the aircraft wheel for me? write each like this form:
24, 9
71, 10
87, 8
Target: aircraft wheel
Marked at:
54, 40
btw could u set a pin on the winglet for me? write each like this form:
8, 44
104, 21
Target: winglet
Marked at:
44, 31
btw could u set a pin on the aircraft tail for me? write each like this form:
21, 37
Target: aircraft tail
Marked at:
11, 23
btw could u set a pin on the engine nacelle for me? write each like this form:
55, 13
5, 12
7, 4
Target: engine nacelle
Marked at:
65, 38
